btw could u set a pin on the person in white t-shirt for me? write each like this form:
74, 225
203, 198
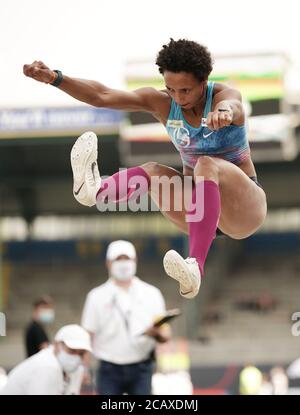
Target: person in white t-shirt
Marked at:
54, 370
3, 377
120, 314
279, 380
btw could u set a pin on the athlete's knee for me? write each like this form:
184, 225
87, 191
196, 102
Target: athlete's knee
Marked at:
239, 234
206, 162
152, 168
206, 166
239, 237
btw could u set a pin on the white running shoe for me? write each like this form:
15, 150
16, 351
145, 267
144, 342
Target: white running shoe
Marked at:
87, 180
185, 271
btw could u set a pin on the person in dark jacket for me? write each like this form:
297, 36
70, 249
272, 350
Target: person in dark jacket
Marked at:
36, 337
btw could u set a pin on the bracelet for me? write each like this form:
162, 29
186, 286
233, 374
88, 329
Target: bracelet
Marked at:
59, 77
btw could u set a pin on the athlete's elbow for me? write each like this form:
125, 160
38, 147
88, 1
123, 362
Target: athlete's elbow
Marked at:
101, 99
98, 101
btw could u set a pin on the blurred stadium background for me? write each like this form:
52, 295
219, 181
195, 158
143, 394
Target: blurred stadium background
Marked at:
52, 245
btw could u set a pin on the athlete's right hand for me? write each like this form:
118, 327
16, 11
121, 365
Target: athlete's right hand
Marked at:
39, 71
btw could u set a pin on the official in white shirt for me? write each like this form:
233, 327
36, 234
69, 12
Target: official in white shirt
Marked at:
54, 370
120, 314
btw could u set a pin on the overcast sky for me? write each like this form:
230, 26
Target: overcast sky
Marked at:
94, 38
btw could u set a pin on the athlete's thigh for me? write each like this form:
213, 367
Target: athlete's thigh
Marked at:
167, 191
243, 203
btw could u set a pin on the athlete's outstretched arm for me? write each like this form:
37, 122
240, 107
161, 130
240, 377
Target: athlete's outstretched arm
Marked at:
227, 109
97, 94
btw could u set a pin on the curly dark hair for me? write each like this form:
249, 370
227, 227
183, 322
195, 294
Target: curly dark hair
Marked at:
185, 56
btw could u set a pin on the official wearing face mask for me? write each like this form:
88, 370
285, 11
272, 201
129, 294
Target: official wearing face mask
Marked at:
55, 369
119, 314
36, 337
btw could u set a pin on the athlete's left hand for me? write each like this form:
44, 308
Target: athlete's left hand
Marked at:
219, 118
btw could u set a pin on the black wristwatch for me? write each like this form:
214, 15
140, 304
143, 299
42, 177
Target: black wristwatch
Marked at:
58, 79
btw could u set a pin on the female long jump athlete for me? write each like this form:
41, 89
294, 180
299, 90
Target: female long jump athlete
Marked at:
215, 154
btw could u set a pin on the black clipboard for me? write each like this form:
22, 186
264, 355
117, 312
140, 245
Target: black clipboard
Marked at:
169, 315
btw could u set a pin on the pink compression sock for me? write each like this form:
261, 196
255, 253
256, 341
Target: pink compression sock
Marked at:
120, 186
202, 230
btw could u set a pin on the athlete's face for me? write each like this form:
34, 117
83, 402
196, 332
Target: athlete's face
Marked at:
184, 88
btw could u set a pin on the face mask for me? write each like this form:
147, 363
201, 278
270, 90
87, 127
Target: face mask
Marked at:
46, 316
69, 362
123, 269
